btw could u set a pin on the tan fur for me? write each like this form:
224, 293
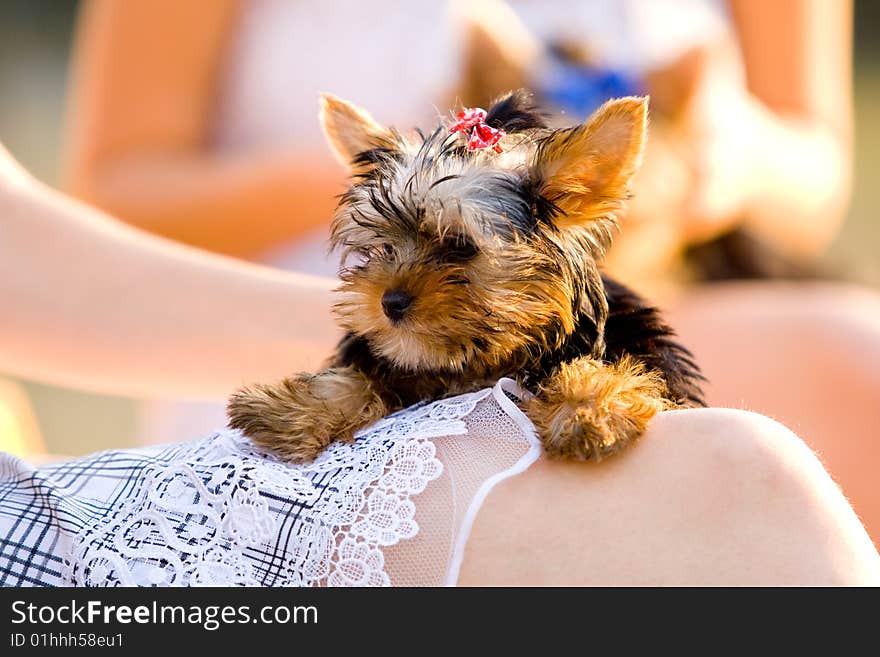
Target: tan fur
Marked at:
350, 129
298, 417
588, 168
500, 307
590, 410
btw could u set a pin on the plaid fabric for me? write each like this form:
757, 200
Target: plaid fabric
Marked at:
43, 510
213, 512
219, 511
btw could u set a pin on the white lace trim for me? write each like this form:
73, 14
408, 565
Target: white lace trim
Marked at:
520, 466
212, 512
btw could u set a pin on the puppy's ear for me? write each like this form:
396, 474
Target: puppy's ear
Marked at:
352, 132
586, 170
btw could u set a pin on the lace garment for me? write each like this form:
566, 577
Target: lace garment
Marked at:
395, 507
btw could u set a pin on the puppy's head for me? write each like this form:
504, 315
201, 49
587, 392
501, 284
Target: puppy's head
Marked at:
455, 259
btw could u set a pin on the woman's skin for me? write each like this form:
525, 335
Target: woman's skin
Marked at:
706, 497
807, 355
98, 305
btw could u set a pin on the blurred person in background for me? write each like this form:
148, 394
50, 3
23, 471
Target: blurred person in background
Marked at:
198, 121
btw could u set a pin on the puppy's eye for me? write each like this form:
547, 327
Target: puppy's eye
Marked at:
373, 251
458, 250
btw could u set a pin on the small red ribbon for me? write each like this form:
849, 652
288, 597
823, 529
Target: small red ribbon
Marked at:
481, 134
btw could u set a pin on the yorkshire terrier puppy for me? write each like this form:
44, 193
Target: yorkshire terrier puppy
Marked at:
470, 254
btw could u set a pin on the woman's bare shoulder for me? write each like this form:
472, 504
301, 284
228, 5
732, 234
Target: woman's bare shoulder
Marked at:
710, 496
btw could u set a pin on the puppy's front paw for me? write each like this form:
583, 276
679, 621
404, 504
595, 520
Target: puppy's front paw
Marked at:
300, 416
284, 418
589, 410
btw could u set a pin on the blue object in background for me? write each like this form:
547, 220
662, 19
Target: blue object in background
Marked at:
579, 89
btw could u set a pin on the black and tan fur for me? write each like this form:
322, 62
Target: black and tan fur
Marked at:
463, 267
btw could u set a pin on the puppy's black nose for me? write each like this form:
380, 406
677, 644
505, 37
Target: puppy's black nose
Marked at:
395, 303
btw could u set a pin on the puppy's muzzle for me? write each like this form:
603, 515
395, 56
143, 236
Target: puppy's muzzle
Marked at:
395, 304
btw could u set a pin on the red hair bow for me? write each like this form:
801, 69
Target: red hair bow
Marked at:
481, 135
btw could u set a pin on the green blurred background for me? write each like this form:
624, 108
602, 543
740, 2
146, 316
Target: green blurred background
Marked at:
35, 39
